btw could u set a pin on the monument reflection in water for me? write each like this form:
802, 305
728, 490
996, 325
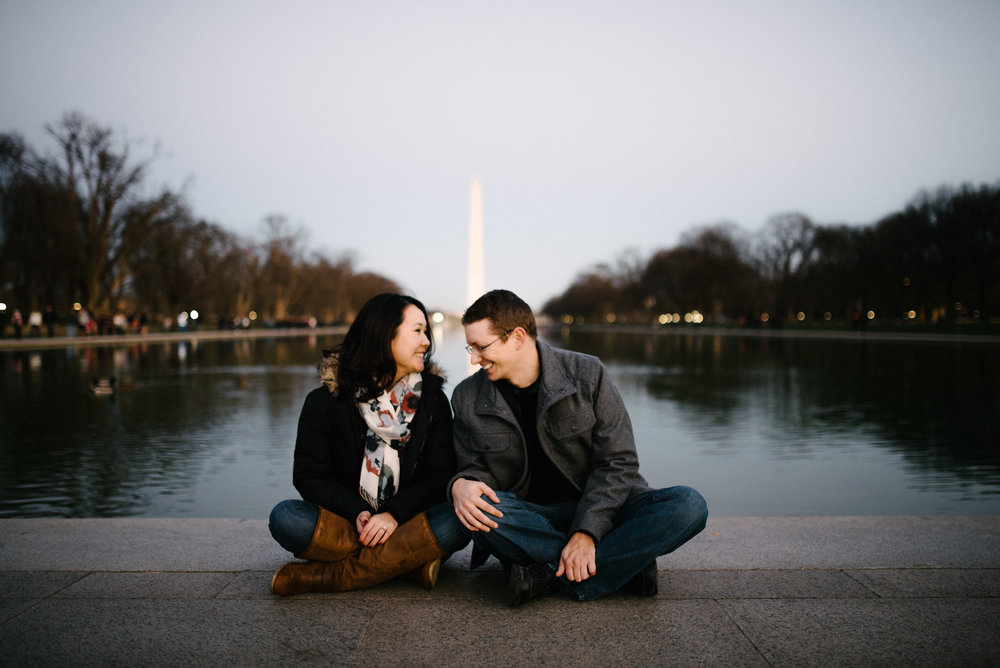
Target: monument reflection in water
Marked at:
763, 427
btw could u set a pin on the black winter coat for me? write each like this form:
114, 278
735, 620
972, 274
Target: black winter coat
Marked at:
329, 450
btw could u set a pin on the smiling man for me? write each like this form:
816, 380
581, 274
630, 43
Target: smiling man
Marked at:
548, 478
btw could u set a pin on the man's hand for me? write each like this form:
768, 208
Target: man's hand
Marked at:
472, 510
579, 558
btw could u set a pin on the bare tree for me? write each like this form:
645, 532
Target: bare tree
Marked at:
161, 273
35, 250
101, 181
237, 271
326, 289
723, 279
281, 272
786, 249
78, 227
593, 295
364, 286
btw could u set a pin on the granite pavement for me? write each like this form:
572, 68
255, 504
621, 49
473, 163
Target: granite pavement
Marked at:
819, 591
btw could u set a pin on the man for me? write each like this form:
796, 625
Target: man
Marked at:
548, 478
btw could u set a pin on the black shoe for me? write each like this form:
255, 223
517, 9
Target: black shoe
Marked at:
527, 582
646, 582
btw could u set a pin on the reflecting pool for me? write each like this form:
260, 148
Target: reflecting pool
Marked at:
762, 427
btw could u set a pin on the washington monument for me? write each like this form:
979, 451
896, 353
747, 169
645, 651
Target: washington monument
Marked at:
476, 279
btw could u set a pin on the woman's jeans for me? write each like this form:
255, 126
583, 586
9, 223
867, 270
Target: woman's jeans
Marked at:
292, 523
648, 525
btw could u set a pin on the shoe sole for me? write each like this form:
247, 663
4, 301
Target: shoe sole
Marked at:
274, 580
432, 575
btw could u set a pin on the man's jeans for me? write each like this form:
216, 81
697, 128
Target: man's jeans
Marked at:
292, 523
648, 525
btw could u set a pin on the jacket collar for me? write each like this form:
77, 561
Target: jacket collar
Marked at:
553, 384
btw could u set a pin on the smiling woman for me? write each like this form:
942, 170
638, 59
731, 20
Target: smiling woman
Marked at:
411, 342
372, 457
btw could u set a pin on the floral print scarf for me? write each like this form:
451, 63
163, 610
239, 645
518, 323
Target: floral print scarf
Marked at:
388, 417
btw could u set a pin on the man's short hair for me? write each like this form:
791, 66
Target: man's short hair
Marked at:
505, 310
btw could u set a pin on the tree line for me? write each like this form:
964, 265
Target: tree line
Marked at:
81, 227
935, 261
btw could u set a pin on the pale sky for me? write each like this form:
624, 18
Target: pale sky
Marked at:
595, 127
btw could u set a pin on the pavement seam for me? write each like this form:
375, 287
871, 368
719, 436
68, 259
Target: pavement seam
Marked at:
863, 585
35, 602
361, 636
233, 576
742, 631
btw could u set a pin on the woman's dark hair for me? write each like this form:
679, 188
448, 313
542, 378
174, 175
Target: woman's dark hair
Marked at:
365, 365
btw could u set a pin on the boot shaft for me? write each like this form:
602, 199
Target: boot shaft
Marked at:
334, 538
410, 546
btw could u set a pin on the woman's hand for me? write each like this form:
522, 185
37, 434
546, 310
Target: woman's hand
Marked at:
362, 520
375, 529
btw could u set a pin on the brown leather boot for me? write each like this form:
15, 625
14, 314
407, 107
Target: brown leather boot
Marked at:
333, 539
411, 545
426, 576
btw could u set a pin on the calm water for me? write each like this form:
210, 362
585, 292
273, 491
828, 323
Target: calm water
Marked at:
761, 427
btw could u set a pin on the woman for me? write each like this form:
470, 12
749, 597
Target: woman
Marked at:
372, 458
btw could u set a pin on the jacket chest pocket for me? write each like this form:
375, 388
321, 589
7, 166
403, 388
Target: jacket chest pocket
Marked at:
567, 425
493, 441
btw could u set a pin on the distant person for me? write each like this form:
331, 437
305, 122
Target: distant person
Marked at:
548, 478
17, 322
372, 458
83, 320
35, 323
49, 318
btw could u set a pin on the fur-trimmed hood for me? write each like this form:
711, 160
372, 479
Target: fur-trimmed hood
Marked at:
328, 370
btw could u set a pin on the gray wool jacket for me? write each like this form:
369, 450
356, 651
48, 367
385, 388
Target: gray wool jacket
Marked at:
583, 427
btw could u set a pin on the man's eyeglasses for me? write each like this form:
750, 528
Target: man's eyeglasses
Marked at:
472, 349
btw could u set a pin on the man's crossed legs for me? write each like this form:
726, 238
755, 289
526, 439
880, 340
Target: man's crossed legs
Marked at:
648, 525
